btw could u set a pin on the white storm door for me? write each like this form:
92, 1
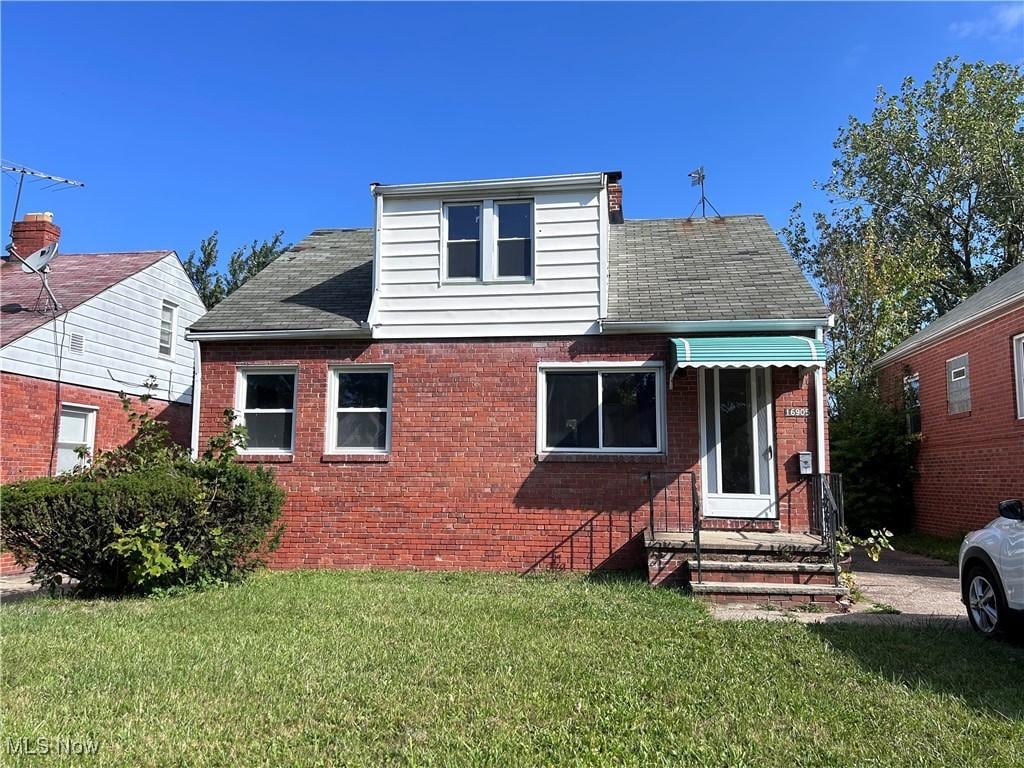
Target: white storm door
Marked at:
737, 447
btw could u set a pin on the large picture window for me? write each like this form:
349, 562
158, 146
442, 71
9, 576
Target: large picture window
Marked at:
612, 409
267, 408
360, 410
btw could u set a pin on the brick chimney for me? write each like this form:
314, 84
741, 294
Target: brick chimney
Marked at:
33, 232
615, 197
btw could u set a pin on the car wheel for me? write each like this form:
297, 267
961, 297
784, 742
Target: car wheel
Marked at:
986, 606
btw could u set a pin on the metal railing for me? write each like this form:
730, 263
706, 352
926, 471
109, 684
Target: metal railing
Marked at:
827, 513
670, 516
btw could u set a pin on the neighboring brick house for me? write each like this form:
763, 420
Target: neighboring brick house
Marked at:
961, 380
485, 378
121, 321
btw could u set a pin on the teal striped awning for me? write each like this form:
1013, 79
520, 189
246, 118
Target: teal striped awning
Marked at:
746, 352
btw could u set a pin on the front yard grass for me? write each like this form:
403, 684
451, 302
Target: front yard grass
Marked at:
938, 547
321, 668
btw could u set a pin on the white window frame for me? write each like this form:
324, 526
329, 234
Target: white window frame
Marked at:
174, 329
1018, 372
331, 431
649, 366
90, 426
488, 241
444, 242
240, 410
497, 239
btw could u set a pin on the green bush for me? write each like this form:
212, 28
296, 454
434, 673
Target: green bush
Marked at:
145, 516
871, 448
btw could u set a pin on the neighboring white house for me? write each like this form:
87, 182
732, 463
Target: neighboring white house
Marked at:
121, 323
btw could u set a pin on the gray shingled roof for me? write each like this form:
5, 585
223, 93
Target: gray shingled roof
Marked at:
731, 268
728, 268
1003, 291
323, 283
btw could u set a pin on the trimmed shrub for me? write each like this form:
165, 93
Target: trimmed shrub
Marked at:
145, 516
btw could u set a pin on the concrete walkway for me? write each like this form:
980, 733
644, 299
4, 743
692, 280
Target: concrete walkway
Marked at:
923, 590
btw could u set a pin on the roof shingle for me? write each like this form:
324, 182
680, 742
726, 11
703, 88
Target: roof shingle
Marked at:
726, 268
321, 283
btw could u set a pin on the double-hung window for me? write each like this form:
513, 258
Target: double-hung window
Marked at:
1018, 372
359, 417
958, 385
168, 329
488, 240
601, 409
912, 403
266, 406
76, 433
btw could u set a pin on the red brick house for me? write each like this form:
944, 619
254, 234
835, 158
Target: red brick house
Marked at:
506, 374
121, 320
962, 382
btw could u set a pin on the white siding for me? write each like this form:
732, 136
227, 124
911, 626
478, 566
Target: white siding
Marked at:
121, 332
563, 299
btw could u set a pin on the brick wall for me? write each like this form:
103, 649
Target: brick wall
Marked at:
966, 462
462, 487
27, 422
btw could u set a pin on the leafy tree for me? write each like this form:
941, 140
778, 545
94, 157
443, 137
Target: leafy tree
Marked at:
875, 289
943, 162
213, 285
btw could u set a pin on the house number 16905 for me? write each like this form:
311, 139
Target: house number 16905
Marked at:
798, 411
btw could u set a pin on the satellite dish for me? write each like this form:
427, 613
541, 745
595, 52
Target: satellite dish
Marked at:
38, 262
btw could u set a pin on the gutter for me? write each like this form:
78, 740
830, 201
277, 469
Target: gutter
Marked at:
303, 333
520, 184
717, 326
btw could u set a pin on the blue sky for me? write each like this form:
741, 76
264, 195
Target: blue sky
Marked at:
249, 118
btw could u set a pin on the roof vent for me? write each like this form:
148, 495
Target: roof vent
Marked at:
77, 343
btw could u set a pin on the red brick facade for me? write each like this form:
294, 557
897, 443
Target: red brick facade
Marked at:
462, 486
27, 427
966, 462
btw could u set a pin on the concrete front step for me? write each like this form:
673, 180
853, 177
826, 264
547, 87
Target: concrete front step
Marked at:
747, 572
822, 596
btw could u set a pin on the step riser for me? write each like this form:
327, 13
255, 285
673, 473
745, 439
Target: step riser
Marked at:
766, 577
743, 557
826, 603
681, 572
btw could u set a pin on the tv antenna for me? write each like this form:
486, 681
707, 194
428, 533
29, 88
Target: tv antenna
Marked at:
697, 180
23, 171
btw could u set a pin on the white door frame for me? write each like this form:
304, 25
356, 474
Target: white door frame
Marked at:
741, 505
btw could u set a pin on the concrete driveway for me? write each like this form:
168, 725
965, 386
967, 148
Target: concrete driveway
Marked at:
918, 587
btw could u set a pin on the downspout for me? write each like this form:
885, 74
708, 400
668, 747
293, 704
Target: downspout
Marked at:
197, 383
819, 397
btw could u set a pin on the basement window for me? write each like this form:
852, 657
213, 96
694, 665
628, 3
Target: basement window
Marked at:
76, 433
266, 407
958, 385
359, 420
601, 409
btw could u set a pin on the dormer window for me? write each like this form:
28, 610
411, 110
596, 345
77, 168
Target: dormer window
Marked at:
489, 240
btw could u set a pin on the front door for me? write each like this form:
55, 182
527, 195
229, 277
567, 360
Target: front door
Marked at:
738, 455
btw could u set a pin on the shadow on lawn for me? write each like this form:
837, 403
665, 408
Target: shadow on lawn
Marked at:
987, 675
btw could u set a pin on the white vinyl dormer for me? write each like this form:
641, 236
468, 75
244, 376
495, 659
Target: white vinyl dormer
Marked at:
500, 257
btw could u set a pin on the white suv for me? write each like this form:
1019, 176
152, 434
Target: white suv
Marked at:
992, 572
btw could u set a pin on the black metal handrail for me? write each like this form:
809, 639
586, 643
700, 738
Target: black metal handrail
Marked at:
828, 515
655, 486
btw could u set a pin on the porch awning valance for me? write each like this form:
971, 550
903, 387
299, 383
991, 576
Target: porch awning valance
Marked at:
746, 352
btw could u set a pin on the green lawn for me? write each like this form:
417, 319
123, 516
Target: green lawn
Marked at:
939, 547
319, 668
